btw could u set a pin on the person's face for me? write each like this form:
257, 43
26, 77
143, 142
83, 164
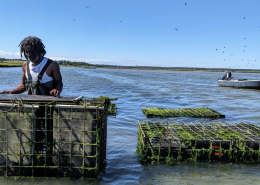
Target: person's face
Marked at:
30, 53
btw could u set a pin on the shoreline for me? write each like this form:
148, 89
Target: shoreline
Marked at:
19, 63
184, 69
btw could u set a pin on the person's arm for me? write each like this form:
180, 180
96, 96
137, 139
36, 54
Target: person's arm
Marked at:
21, 87
57, 79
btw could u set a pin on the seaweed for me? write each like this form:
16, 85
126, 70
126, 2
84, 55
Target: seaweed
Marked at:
111, 107
53, 141
187, 112
174, 142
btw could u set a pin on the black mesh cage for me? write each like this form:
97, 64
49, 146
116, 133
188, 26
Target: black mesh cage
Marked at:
52, 138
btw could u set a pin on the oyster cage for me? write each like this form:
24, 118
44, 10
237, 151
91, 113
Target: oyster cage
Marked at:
175, 141
43, 136
200, 112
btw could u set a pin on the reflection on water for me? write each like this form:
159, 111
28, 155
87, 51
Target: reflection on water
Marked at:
137, 89
202, 173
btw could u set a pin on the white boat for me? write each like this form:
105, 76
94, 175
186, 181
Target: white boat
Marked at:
240, 83
227, 81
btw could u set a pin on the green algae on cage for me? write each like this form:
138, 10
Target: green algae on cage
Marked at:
52, 139
200, 112
174, 142
111, 107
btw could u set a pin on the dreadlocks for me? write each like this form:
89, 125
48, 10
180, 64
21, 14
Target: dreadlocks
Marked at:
35, 42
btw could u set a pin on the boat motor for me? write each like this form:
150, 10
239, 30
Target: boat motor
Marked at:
227, 76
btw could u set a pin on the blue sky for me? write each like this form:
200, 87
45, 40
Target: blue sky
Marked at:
221, 34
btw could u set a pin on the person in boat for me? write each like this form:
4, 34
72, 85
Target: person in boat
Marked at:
41, 75
227, 76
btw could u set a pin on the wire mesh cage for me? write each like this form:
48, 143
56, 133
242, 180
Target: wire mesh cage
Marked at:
175, 141
52, 138
200, 112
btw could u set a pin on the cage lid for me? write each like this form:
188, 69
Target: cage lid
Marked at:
35, 98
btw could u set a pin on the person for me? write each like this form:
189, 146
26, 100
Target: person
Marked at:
41, 76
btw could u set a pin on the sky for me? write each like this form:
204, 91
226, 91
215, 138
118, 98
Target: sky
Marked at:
165, 33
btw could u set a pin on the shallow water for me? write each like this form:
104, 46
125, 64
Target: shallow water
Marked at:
137, 89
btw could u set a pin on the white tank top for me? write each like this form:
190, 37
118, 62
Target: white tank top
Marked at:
35, 71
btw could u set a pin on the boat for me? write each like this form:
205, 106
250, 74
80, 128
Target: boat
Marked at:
227, 81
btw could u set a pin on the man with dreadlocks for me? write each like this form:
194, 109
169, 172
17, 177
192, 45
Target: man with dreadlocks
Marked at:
41, 76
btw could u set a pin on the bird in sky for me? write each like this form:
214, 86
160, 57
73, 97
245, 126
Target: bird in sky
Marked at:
185, 3
87, 7
244, 17
176, 29
74, 19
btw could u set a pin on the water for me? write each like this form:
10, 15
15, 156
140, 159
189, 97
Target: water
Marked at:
137, 89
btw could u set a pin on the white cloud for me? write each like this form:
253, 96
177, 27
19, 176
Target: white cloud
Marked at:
79, 59
16, 55
94, 61
11, 55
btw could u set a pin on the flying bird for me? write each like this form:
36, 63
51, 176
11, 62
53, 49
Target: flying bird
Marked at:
244, 17
185, 3
176, 29
87, 7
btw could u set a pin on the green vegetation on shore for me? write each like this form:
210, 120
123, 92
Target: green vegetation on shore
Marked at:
11, 62
74, 64
18, 63
178, 68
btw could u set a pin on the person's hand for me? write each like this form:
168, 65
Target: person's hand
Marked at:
55, 92
5, 92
